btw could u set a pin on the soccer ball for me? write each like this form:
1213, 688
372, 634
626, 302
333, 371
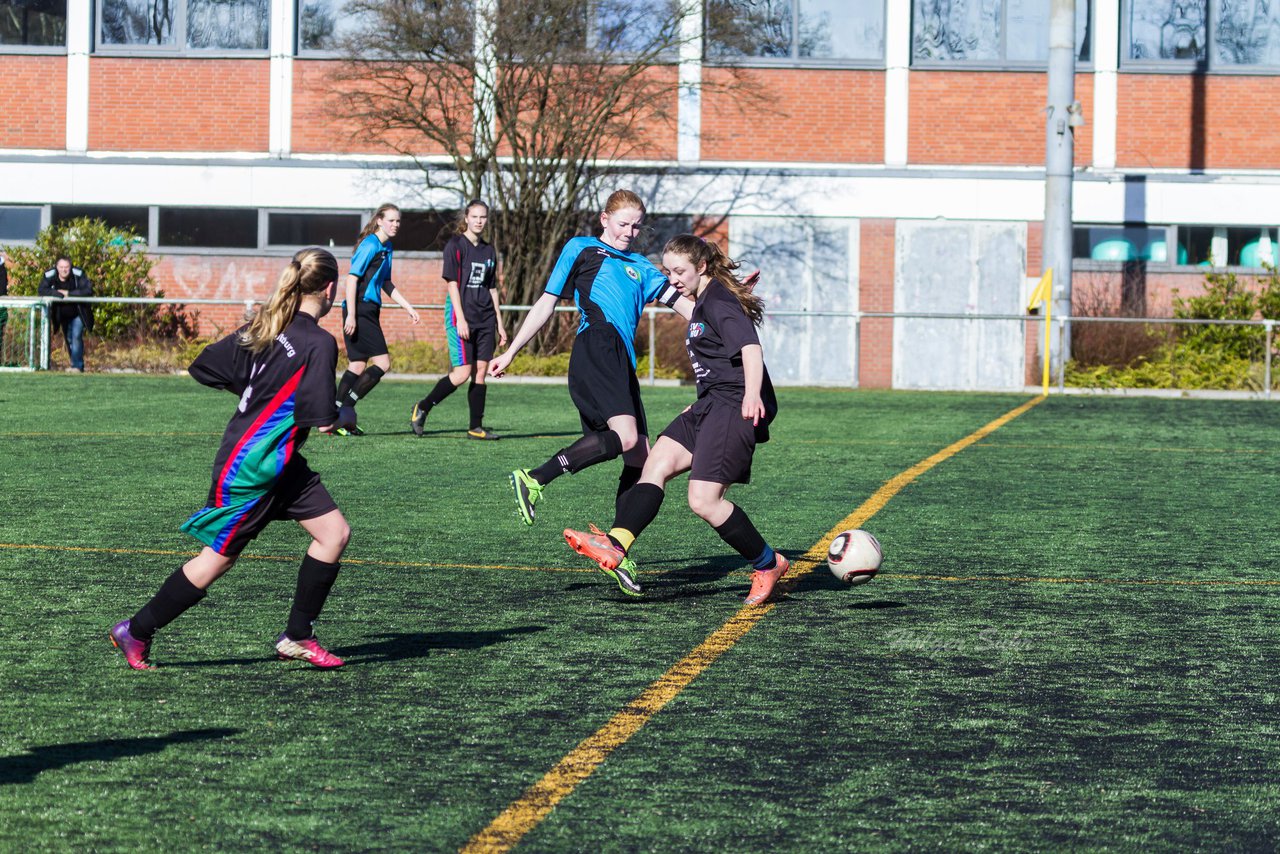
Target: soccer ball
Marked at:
854, 557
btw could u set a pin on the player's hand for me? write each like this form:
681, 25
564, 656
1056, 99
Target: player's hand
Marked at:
413, 315
498, 366
464, 331
350, 326
752, 280
752, 409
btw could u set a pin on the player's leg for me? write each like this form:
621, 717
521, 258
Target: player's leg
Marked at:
461, 364
477, 395
179, 592
731, 524
330, 534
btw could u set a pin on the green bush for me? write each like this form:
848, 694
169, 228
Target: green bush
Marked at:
110, 257
1201, 356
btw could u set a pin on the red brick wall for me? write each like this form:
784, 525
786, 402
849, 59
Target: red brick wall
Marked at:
33, 95
795, 114
242, 277
1154, 290
146, 104
1196, 120
875, 283
987, 118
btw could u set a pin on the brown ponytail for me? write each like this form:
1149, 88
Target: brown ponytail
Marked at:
311, 271
718, 266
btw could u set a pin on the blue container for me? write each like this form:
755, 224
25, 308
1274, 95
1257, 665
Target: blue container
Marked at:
1158, 252
1251, 254
1113, 249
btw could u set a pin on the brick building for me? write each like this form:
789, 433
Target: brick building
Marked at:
901, 164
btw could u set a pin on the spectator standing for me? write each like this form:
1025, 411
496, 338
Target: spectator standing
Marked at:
73, 319
4, 312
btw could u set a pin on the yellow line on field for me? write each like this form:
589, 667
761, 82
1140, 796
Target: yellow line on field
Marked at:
506, 831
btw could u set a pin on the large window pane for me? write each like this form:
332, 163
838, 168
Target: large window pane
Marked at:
633, 26
310, 229
796, 29
840, 29
19, 223
1167, 29
138, 22
232, 24
115, 216
991, 31
1247, 34
33, 22
423, 231
218, 228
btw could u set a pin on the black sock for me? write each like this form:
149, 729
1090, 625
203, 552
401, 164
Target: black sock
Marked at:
590, 449
315, 580
364, 384
176, 595
439, 392
630, 477
741, 535
637, 508
344, 388
475, 400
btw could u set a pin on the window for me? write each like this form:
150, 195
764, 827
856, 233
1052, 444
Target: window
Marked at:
312, 229
19, 223
215, 228
633, 26
115, 216
1247, 34
1220, 246
1167, 29
33, 23
796, 30
995, 32
1198, 245
323, 24
1220, 34
1119, 243
185, 24
423, 231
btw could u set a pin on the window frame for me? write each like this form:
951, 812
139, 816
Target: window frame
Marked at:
794, 60
179, 48
264, 236
42, 49
1091, 20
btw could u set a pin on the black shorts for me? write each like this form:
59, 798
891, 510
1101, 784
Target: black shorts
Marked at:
602, 381
721, 440
368, 340
298, 494
478, 348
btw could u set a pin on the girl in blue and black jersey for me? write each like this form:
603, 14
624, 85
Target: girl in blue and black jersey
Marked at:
367, 281
281, 367
610, 285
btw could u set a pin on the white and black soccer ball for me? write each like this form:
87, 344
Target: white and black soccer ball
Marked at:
854, 556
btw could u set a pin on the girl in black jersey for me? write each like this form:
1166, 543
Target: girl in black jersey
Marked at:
281, 366
714, 439
471, 317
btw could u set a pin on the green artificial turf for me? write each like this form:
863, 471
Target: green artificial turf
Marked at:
1071, 644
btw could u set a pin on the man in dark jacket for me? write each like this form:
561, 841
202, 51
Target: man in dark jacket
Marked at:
4, 312
73, 318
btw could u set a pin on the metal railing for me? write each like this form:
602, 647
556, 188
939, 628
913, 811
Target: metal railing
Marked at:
41, 332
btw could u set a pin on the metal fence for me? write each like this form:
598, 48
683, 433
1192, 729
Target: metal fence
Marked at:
36, 339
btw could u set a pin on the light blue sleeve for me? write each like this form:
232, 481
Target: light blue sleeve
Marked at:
560, 275
364, 253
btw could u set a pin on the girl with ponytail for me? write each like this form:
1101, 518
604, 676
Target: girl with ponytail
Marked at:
715, 438
280, 365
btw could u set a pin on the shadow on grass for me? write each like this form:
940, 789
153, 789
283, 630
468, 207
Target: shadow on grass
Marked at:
403, 645
23, 768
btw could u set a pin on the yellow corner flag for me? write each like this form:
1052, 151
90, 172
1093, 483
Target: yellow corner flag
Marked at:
1043, 291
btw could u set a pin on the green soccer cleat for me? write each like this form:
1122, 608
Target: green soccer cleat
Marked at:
353, 430
625, 574
528, 491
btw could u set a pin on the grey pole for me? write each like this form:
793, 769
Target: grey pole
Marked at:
1063, 115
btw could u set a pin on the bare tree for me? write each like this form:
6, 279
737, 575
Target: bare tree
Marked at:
528, 104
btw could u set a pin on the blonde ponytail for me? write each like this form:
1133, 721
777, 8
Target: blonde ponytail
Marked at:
311, 271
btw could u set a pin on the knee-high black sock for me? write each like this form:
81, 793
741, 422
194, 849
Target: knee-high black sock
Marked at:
439, 392
636, 509
176, 595
344, 387
590, 449
315, 580
364, 384
744, 539
475, 400
630, 477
